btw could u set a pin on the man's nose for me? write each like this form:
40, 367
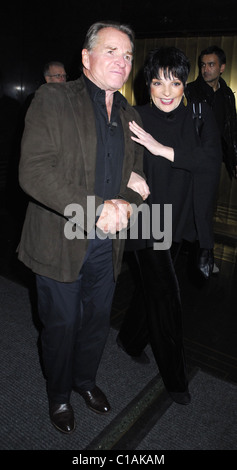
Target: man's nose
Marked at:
121, 61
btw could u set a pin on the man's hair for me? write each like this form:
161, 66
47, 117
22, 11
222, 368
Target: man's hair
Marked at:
170, 60
213, 50
92, 33
50, 64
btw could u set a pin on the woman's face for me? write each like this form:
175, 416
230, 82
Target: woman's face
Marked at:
166, 93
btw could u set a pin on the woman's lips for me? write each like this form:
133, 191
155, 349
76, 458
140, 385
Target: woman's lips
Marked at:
166, 102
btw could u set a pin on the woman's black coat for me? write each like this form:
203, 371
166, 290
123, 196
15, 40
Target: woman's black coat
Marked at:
189, 183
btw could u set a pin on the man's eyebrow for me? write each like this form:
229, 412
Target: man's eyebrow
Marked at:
113, 48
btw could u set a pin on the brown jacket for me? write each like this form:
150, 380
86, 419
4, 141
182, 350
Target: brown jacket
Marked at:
57, 168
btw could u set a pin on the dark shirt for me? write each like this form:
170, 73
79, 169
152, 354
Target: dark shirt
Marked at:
110, 142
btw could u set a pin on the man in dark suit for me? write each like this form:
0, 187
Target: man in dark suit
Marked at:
83, 171
210, 87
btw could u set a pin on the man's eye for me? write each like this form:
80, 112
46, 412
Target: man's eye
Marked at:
128, 58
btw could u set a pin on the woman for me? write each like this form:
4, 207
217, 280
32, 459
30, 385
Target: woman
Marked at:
182, 167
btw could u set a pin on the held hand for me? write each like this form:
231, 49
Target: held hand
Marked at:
125, 209
145, 139
138, 184
114, 216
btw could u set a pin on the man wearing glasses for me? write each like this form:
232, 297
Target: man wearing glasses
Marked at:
54, 72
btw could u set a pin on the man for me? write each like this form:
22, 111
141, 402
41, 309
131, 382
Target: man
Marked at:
54, 72
83, 172
210, 87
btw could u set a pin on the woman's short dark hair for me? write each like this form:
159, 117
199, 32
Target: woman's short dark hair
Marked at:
170, 60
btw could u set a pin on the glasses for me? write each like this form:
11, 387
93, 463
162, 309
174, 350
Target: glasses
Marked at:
58, 75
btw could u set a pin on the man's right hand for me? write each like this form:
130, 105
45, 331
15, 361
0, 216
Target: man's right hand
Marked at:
114, 216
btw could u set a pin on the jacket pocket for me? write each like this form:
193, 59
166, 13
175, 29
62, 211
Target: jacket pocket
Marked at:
42, 235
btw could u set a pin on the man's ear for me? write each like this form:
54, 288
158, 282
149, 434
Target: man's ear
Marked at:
222, 68
85, 58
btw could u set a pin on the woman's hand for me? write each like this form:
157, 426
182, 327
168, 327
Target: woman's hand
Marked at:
145, 139
138, 184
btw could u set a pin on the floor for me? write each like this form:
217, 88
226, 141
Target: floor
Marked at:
209, 307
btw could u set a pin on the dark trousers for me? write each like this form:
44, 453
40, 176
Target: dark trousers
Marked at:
76, 320
155, 316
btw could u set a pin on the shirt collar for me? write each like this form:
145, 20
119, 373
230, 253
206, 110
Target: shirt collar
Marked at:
96, 93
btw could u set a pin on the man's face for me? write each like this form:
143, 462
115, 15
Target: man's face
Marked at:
211, 68
109, 64
56, 74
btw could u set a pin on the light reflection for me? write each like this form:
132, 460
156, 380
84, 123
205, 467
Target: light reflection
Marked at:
20, 88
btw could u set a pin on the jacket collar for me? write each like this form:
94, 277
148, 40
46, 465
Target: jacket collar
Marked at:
207, 88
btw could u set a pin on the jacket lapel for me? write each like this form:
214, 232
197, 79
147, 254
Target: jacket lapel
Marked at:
84, 120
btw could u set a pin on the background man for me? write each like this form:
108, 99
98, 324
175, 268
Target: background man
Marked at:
210, 87
54, 72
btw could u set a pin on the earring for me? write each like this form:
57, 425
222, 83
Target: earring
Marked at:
185, 102
151, 101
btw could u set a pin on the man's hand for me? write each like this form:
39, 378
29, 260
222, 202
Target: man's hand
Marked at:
138, 184
114, 216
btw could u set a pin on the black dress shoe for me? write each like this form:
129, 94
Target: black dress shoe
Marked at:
182, 398
95, 400
140, 358
62, 417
